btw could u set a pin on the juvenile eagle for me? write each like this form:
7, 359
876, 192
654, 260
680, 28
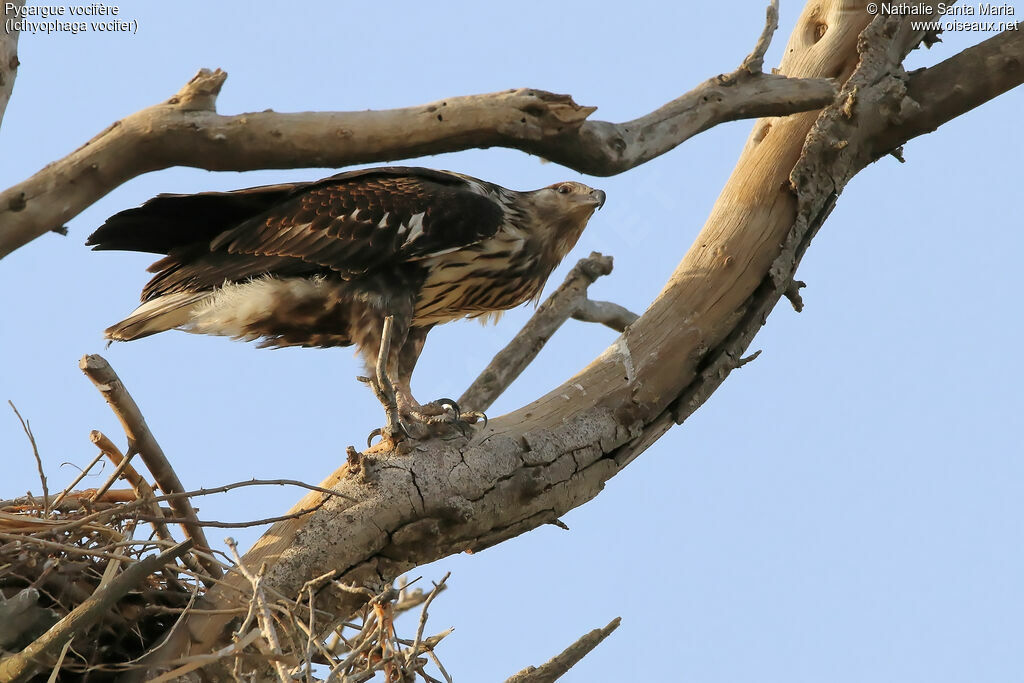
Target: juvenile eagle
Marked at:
323, 263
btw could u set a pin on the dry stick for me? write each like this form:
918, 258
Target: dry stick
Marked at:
81, 475
413, 652
120, 465
234, 525
192, 663
186, 131
606, 313
554, 668
72, 501
39, 654
35, 452
510, 362
141, 440
144, 492
262, 611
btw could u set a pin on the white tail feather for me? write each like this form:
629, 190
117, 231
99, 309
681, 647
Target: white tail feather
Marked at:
159, 315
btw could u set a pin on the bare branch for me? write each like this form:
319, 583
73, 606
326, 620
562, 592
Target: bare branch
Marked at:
186, 131
8, 56
957, 85
520, 352
606, 313
39, 461
141, 441
754, 62
39, 655
74, 482
260, 609
556, 667
230, 525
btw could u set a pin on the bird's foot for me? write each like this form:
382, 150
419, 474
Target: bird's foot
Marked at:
393, 430
441, 417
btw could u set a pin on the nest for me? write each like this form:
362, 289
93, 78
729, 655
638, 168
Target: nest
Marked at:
94, 584
51, 566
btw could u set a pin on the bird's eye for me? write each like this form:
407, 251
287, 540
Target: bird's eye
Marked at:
564, 189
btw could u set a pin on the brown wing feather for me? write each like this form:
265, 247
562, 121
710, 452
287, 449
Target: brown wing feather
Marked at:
353, 225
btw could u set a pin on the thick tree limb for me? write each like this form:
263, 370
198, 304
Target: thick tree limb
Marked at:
8, 55
957, 85
142, 441
39, 655
558, 665
187, 131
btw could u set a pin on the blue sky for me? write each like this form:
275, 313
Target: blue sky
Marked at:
847, 507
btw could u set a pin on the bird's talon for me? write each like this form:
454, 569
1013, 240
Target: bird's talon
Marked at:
476, 415
376, 432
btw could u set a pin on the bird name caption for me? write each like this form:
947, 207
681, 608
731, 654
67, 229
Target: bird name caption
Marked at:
946, 16
96, 17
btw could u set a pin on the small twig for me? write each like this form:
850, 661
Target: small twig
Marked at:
412, 653
188, 664
259, 605
141, 440
39, 461
524, 347
555, 667
121, 463
233, 525
605, 313
81, 475
40, 654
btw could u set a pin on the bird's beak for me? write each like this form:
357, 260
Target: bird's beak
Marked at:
598, 196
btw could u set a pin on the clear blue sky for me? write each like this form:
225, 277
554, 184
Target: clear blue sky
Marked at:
846, 508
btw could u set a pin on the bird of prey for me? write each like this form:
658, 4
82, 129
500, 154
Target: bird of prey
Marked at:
325, 263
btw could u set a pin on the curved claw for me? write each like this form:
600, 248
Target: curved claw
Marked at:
479, 415
380, 432
450, 404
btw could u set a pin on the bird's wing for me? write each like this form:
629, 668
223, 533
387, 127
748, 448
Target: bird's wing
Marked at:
355, 222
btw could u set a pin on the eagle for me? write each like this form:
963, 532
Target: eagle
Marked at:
331, 262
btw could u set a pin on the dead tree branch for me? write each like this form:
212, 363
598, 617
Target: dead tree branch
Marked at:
186, 131
141, 441
569, 299
558, 665
955, 86
606, 313
39, 462
8, 56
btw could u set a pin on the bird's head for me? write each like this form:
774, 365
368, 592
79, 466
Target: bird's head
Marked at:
559, 214
567, 198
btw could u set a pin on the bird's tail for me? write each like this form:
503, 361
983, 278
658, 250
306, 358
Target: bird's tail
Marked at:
157, 315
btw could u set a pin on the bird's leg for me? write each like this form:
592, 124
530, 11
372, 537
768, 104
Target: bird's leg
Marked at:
443, 411
393, 431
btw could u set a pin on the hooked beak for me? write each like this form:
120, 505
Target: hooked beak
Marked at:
598, 196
